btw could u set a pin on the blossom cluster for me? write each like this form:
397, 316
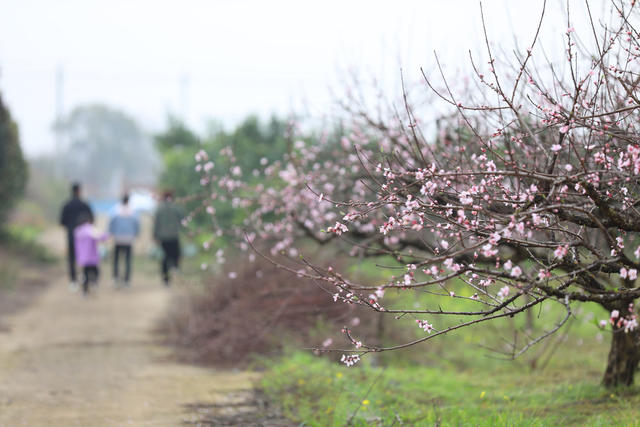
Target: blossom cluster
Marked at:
628, 323
424, 325
350, 359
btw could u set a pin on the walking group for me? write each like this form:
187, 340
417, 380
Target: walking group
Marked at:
83, 239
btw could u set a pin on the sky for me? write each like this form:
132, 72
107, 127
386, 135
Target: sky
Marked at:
225, 59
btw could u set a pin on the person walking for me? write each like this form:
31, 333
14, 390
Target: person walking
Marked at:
124, 227
166, 229
86, 238
71, 212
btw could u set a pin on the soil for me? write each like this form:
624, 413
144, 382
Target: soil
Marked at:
21, 282
67, 360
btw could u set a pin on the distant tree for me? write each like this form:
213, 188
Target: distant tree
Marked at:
176, 137
106, 150
13, 168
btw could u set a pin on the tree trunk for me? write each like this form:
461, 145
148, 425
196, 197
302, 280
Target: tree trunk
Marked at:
624, 356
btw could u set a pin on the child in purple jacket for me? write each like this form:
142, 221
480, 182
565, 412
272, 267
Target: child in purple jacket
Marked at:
86, 238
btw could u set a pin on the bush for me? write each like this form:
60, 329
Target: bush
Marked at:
13, 168
22, 240
256, 312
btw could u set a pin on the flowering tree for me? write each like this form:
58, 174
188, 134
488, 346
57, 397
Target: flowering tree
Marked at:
528, 193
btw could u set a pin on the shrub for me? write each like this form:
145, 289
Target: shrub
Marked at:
13, 168
253, 310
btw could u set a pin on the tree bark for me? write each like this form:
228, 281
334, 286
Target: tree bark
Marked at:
623, 359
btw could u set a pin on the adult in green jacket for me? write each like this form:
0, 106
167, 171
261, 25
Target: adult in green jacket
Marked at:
166, 229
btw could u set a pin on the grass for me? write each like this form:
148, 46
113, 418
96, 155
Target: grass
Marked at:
23, 240
319, 392
461, 378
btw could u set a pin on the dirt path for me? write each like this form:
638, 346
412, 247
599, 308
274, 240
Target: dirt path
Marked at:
74, 361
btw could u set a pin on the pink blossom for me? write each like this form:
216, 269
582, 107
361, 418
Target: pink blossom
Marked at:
623, 273
516, 271
350, 359
630, 324
433, 270
426, 326
388, 226
544, 274
201, 156
465, 198
338, 228
561, 251
488, 251
455, 267
615, 314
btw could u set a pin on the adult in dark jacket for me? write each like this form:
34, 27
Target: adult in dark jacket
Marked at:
71, 211
166, 229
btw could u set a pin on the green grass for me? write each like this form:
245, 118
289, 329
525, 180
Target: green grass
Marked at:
461, 378
319, 392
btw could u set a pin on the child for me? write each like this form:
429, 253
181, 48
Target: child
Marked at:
86, 242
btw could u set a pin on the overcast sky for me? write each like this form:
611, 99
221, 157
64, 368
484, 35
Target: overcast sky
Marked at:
224, 59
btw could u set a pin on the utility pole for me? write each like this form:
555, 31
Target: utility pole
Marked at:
59, 114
